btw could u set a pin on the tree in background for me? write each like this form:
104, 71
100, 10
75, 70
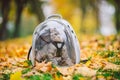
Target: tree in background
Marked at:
85, 5
117, 14
70, 10
5, 9
116, 4
20, 4
35, 6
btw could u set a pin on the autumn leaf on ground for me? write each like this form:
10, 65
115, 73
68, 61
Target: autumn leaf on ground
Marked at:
16, 76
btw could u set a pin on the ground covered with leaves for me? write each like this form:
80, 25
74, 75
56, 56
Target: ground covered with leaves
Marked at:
100, 60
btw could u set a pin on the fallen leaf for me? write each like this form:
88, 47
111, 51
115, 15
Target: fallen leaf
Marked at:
85, 71
16, 76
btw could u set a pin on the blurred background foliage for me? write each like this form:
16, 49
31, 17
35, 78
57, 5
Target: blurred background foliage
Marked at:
18, 18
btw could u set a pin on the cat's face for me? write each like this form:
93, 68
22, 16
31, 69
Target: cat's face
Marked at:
50, 44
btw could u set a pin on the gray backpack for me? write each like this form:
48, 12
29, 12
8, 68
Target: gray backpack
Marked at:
55, 40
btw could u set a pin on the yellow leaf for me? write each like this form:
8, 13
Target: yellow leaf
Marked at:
82, 78
109, 78
16, 76
58, 77
25, 64
88, 63
100, 76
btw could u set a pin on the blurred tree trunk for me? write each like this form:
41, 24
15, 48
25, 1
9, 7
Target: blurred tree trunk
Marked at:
36, 6
84, 4
20, 5
5, 8
117, 14
37, 9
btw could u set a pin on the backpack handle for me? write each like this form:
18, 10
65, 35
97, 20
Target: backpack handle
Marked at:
54, 16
